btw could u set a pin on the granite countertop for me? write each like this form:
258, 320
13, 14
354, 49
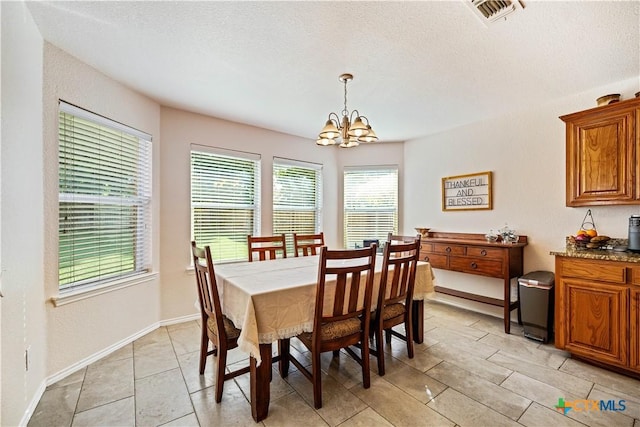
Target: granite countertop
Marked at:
607, 253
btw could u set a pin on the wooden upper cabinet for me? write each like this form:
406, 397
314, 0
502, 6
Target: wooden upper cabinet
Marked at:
602, 152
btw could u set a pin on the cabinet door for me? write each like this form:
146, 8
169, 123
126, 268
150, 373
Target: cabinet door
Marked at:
635, 328
596, 320
600, 153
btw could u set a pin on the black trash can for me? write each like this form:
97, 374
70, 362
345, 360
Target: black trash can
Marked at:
535, 293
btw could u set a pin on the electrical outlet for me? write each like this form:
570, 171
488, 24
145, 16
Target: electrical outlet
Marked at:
27, 358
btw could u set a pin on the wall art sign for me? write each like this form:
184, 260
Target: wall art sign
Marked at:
467, 192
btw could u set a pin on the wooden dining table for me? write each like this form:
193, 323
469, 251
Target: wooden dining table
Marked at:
271, 300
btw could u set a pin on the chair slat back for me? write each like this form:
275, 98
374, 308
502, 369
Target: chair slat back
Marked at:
266, 247
397, 280
308, 244
207, 287
396, 238
353, 276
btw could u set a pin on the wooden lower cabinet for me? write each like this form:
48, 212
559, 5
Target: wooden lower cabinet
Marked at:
597, 311
595, 317
635, 328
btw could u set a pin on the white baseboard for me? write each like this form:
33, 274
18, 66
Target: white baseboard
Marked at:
180, 319
32, 405
95, 357
99, 355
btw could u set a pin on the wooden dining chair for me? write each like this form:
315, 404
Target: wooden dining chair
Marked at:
308, 244
266, 247
396, 238
216, 327
342, 313
395, 297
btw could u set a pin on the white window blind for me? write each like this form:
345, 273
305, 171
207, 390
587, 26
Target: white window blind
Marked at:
104, 199
225, 201
370, 204
297, 198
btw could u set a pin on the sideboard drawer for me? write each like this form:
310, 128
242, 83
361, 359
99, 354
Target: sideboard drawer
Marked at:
485, 252
485, 267
444, 248
436, 260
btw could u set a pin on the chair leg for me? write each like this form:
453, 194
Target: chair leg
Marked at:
284, 351
222, 364
366, 369
204, 348
316, 377
387, 334
409, 334
380, 351
336, 353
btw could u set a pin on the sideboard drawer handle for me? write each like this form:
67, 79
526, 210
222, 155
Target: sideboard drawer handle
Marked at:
474, 265
426, 258
483, 252
448, 249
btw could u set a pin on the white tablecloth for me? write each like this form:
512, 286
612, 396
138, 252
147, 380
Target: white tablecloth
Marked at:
269, 300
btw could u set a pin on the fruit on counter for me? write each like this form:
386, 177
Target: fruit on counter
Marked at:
583, 238
590, 232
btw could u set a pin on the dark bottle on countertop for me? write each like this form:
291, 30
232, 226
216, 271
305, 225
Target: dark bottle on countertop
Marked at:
634, 233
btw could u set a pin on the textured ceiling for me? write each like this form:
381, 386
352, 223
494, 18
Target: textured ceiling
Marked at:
419, 67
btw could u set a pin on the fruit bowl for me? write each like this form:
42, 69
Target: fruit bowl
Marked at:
588, 242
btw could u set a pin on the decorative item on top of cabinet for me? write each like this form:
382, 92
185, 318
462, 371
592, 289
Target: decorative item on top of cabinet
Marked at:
602, 149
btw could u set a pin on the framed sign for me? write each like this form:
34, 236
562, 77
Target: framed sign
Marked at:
467, 192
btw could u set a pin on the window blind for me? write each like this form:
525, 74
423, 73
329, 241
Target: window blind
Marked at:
104, 228
297, 198
225, 201
370, 204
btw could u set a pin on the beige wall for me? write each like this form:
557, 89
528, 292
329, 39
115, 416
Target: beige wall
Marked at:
181, 129
79, 330
23, 315
526, 152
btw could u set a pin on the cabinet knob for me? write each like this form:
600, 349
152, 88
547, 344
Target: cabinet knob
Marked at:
483, 252
448, 249
426, 258
474, 265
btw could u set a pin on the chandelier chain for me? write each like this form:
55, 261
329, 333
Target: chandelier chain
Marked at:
345, 112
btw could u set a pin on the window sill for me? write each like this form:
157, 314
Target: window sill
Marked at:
72, 296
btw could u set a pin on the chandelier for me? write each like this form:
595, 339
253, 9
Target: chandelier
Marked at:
352, 129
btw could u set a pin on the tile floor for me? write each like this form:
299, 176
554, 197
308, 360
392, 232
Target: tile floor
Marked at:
467, 373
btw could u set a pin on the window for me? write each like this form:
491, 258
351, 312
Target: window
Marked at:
105, 199
225, 200
370, 204
297, 198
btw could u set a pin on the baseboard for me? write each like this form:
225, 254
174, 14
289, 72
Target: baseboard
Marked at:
181, 319
95, 357
33, 404
99, 355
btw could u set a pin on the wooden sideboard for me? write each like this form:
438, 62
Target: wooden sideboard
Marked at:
472, 254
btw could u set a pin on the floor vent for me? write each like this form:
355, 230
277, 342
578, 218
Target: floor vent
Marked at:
490, 11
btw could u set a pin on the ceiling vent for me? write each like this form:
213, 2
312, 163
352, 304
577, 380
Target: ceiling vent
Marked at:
490, 11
